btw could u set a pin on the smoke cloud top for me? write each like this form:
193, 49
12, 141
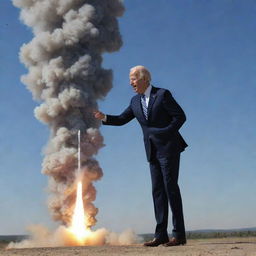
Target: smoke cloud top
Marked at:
65, 75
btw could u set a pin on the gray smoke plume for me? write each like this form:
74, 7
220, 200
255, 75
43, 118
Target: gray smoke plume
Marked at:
65, 75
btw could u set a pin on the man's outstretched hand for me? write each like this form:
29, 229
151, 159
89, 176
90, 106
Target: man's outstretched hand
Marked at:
98, 115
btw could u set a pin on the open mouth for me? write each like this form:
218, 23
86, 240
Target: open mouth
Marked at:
134, 87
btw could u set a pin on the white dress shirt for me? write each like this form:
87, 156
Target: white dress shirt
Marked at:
147, 94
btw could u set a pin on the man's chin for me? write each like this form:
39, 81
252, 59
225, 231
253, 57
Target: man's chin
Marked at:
136, 90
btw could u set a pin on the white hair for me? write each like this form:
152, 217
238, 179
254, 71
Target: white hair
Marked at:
141, 72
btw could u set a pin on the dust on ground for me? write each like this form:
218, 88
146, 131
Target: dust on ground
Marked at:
197, 247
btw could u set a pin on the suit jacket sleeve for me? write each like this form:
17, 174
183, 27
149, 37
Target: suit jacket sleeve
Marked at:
175, 111
121, 119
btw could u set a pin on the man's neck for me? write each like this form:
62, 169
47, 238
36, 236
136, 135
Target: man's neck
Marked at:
147, 90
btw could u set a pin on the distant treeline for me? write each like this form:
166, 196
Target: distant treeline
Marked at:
209, 234
219, 234
14, 238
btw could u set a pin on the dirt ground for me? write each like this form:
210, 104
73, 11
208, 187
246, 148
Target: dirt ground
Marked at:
203, 247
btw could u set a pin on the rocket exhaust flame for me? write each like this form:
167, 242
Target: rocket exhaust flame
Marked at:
78, 225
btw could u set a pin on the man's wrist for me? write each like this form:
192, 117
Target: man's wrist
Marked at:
104, 119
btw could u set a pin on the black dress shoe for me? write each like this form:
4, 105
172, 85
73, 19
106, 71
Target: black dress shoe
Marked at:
155, 242
175, 241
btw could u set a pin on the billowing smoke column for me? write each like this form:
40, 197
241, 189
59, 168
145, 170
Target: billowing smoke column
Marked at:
65, 75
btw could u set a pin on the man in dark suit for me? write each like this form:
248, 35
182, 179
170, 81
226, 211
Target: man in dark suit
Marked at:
160, 118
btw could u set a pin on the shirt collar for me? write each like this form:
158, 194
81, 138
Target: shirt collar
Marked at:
148, 91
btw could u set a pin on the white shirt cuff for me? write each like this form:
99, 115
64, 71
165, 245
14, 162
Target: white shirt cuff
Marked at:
104, 119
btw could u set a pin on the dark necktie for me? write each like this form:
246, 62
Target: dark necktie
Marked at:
144, 106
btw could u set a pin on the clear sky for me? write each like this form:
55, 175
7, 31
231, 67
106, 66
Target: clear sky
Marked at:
204, 52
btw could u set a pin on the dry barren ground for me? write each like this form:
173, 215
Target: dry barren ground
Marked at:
204, 247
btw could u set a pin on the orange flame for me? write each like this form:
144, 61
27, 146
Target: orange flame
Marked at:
78, 226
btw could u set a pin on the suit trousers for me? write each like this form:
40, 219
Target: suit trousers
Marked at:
165, 188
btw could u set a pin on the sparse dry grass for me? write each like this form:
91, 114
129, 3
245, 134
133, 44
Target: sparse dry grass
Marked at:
245, 246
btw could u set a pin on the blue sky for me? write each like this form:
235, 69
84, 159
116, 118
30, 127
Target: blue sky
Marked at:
204, 52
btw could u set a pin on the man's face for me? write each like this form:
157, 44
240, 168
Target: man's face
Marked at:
139, 85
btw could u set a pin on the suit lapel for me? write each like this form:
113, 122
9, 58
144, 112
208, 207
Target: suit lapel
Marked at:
152, 99
139, 108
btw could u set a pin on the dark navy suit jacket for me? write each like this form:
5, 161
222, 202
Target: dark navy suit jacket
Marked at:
161, 130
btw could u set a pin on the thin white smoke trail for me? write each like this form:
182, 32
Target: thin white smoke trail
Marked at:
65, 75
79, 152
